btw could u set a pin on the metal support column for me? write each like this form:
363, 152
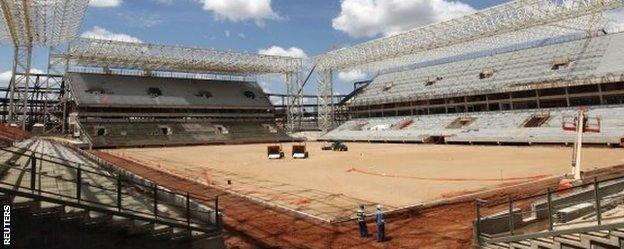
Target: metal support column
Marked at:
217, 213
326, 98
18, 89
550, 210
55, 116
292, 105
33, 172
155, 201
119, 189
511, 216
597, 199
188, 210
78, 184
478, 222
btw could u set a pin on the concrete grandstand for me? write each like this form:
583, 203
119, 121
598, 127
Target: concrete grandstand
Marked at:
118, 111
497, 93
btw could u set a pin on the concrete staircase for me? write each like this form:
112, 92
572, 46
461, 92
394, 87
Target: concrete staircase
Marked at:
591, 239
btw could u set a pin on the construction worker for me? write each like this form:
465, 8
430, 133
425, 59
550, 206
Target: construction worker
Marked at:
381, 224
360, 215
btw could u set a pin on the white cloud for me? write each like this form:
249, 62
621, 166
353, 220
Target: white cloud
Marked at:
615, 20
290, 52
242, 35
369, 18
227, 33
104, 3
141, 19
5, 77
275, 100
98, 32
265, 85
241, 10
352, 76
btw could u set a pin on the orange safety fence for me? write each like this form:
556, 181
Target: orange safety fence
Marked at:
444, 179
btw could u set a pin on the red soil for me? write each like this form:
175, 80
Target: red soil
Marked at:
251, 224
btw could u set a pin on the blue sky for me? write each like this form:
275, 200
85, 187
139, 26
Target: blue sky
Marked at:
289, 27
306, 24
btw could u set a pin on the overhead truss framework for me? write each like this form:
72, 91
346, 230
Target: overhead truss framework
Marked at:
29, 23
41, 22
505, 25
107, 54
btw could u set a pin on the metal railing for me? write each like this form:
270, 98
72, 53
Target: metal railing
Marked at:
84, 134
588, 207
111, 193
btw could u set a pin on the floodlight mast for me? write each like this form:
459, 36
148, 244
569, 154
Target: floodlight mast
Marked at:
29, 23
508, 24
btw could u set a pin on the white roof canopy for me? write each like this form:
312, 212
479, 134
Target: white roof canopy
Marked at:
41, 22
503, 25
155, 57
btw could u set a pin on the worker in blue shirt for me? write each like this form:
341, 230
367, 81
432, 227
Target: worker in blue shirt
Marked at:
360, 214
381, 224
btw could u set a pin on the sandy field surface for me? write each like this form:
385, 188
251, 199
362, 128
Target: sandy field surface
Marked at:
395, 175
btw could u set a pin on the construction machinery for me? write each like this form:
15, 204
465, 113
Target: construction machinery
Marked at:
336, 146
299, 151
579, 123
275, 152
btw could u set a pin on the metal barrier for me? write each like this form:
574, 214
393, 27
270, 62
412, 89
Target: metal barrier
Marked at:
195, 217
84, 134
588, 207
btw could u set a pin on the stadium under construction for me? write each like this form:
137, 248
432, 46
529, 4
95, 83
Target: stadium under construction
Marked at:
463, 134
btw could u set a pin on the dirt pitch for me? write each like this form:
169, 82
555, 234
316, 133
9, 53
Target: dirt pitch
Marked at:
329, 184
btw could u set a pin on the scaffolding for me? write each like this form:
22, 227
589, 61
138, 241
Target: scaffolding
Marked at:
29, 23
505, 25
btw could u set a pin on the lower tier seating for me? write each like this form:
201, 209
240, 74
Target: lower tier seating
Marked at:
512, 127
175, 133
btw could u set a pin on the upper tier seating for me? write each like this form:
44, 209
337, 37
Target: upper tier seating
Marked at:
99, 90
570, 60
